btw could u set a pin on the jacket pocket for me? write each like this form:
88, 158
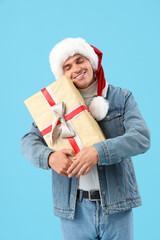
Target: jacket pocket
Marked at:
112, 116
112, 124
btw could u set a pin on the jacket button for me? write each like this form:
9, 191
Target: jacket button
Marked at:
71, 196
103, 192
106, 210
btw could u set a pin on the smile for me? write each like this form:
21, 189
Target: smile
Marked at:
80, 75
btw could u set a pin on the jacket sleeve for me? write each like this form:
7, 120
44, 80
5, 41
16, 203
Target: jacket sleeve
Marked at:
34, 148
135, 140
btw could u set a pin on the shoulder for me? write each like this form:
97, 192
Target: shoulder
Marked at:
117, 96
112, 90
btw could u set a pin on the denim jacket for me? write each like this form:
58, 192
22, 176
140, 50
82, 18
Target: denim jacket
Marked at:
127, 135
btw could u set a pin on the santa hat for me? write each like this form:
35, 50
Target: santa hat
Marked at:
71, 46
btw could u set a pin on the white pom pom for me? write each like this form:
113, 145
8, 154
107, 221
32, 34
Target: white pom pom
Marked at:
99, 107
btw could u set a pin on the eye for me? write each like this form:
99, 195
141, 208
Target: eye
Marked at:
66, 68
80, 61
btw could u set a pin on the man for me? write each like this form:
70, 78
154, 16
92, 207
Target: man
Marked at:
93, 195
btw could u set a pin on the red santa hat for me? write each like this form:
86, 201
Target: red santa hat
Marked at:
71, 46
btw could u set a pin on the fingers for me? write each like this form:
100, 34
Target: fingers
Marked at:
63, 171
69, 152
83, 161
86, 171
60, 161
73, 170
79, 170
83, 171
73, 166
63, 174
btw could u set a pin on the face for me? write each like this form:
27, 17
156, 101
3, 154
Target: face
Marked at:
79, 70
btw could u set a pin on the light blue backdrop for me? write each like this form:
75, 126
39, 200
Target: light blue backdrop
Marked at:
128, 34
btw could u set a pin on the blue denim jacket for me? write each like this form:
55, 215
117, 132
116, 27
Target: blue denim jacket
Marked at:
127, 135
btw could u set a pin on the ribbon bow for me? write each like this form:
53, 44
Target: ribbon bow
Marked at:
62, 129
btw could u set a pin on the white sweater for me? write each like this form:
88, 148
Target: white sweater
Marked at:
89, 181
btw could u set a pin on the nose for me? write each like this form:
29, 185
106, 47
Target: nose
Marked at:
76, 68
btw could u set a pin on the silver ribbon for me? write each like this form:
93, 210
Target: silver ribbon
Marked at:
62, 129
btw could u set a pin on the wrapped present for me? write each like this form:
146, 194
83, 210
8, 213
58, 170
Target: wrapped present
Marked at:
62, 117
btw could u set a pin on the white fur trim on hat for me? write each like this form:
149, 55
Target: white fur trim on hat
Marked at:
105, 89
99, 107
67, 48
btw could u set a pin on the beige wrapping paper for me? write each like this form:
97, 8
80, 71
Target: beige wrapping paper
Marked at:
85, 126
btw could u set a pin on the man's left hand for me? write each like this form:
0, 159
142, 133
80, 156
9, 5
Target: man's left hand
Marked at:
84, 161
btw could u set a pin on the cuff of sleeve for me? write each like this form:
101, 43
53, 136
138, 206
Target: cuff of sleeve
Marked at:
103, 153
44, 158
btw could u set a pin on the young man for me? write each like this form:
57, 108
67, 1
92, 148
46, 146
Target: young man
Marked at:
95, 194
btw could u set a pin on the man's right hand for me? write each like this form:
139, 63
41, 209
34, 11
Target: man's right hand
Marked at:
59, 161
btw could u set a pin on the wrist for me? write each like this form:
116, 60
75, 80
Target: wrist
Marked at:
50, 157
96, 154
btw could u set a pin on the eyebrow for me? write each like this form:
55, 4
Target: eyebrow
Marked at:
78, 58
67, 65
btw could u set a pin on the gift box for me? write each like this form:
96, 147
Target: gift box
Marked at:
63, 118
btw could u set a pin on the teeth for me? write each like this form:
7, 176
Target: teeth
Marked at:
80, 75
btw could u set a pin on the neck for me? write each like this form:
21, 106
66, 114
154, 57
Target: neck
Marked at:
89, 92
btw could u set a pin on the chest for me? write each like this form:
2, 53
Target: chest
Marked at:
112, 125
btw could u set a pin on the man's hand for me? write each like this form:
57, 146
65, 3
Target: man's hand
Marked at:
84, 161
59, 161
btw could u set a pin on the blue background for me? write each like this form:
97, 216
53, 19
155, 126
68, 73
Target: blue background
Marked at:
127, 32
